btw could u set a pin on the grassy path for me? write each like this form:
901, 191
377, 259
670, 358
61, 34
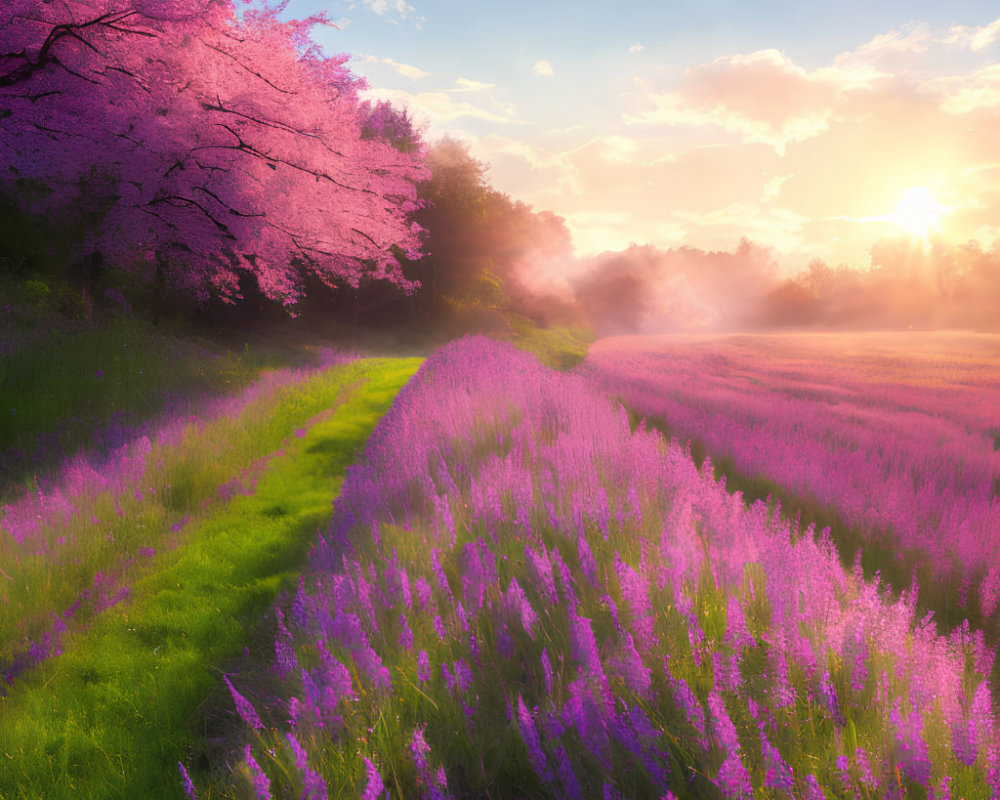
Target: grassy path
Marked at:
112, 716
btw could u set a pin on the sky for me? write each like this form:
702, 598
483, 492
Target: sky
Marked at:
814, 129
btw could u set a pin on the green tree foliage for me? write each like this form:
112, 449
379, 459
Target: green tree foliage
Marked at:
486, 252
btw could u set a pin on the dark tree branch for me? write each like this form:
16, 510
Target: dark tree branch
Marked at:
247, 69
111, 20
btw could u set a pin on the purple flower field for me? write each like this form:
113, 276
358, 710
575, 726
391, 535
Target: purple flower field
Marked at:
520, 596
897, 433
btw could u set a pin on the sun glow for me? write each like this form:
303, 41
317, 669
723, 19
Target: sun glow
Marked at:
918, 213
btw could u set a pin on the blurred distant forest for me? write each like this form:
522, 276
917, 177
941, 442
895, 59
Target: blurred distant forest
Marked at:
261, 191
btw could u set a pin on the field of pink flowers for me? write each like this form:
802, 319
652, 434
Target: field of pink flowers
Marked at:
897, 433
520, 596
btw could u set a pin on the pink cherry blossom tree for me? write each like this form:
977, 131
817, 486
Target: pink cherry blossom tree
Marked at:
200, 143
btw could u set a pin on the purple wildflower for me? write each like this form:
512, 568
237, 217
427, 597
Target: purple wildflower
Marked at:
733, 778
187, 783
473, 576
813, 789
297, 751
370, 661
693, 709
636, 674
423, 667
405, 634
547, 671
463, 675
911, 747
864, 768
540, 569
419, 750
566, 580
261, 783
518, 605
609, 792
336, 676
564, 770
313, 785
505, 643
726, 669
843, 769
531, 741
285, 661
587, 563
243, 707
779, 775
722, 725
584, 644
828, 696
423, 591
583, 711
438, 570
374, 786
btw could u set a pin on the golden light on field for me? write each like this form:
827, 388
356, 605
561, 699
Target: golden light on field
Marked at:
918, 213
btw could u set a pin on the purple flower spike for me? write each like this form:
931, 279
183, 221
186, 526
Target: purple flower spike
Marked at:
261, 783
374, 787
243, 707
529, 733
813, 790
187, 783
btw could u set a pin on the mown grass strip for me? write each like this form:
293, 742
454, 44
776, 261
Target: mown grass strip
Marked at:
110, 717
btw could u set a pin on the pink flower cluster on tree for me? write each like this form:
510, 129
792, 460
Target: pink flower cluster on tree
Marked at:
197, 143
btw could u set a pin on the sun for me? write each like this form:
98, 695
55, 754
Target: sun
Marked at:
918, 213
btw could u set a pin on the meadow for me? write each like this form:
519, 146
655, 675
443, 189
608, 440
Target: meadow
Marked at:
477, 576
891, 439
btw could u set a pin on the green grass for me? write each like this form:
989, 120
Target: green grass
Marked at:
180, 480
112, 716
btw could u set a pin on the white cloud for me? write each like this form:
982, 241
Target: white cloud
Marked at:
383, 7
975, 38
780, 228
618, 149
912, 38
543, 68
772, 189
406, 70
466, 85
437, 107
636, 48
566, 176
673, 109
971, 92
